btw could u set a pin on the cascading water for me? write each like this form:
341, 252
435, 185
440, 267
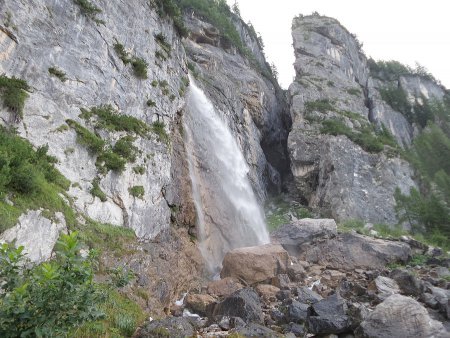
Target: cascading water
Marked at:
228, 214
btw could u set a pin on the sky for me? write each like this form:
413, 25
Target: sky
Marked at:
406, 31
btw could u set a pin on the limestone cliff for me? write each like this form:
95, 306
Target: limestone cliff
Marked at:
343, 159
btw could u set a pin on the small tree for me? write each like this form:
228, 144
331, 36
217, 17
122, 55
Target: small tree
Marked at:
49, 299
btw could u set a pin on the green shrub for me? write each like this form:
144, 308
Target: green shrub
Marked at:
97, 191
335, 127
88, 9
110, 119
122, 53
170, 8
58, 73
24, 179
137, 191
160, 55
87, 138
397, 98
139, 170
50, 299
322, 106
121, 277
139, 68
108, 160
162, 41
13, 94
150, 103
125, 148
159, 128
154, 83
354, 91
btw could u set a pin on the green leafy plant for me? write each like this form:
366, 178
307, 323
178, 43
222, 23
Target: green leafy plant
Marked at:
137, 191
13, 94
58, 73
49, 299
121, 277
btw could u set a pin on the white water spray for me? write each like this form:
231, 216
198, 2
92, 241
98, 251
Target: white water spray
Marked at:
228, 214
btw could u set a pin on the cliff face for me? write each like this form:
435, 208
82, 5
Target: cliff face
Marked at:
94, 55
338, 116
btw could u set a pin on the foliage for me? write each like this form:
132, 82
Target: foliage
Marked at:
321, 106
13, 94
120, 277
150, 103
88, 9
49, 299
159, 128
392, 70
109, 160
87, 138
122, 53
137, 191
29, 179
110, 119
354, 91
125, 148
169, 8
139, 170
139, 68
58, 73
279, 211
97, 191
162, 41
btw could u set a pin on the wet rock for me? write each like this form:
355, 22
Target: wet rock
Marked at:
223, 287
255, 264
291, 236
329, 316
297, 312
408, 283
177, 327
243, 303
267, 292
351, 251
333, 305
402, 317
199, 303
383, 287
307, 296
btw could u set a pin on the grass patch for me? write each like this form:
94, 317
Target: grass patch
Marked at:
150, 103
96, 191
139, 68
279, 212
139, 170
125, 148
109, 119
162, 41
354, 91
122, 53
87, 138
29, 181
88, 9
109, 160
122, 317
58, 73
13, 94
322, 106
137, 191
159, 128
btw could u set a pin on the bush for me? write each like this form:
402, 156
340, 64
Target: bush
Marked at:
24, 179
137, 191
97, 191
321, 106
49, 299
88, 9
125, 148
139, 68
108, 160
159, 128
58, 73
122, 53
139, 170
87, 138
13, 93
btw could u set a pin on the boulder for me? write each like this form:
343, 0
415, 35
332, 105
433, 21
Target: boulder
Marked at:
351, 251
199, 303
255, 264
176, 327
408, 283
401, 317
243, 303
256, 330
267, 292
223, 287
297, 312
329, 316
307, 296
383, 287
291, 236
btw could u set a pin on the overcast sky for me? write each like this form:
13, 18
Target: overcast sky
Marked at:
406, 31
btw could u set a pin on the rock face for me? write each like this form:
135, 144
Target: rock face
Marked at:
400, 316
255, 264
37, 234
352, 251
333, 87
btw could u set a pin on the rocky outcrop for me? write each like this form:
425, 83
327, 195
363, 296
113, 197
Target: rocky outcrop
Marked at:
37, 234
400, 316
334, 95
255, 264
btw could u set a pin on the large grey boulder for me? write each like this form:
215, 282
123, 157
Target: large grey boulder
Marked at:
350, 251
383, 287
243, 303
292, 235
401, 317
329, 316
255, 264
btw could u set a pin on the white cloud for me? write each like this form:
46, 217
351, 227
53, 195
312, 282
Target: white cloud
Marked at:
406, 31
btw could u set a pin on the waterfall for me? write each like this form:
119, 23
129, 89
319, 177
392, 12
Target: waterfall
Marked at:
228, 214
